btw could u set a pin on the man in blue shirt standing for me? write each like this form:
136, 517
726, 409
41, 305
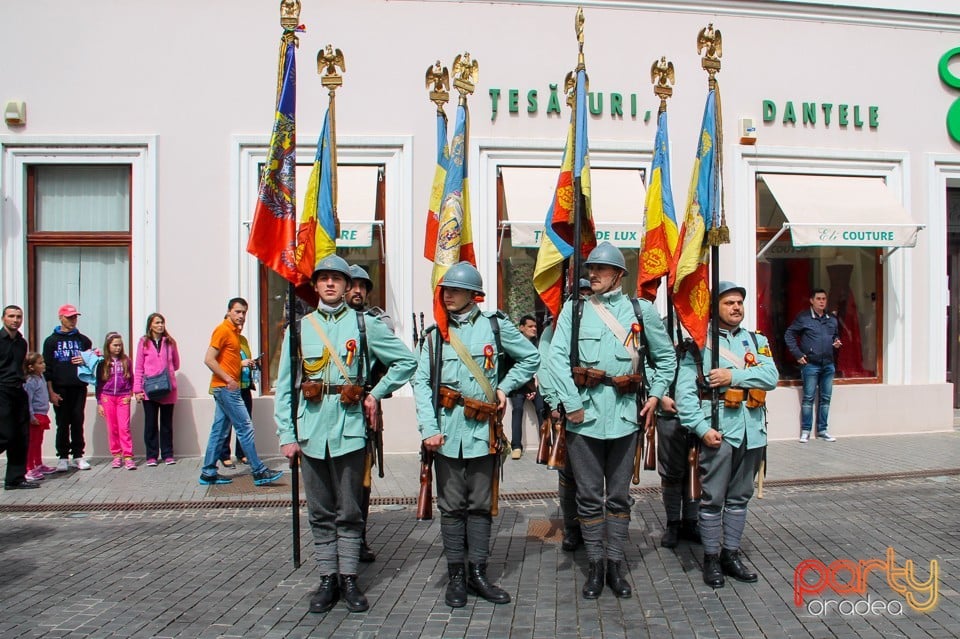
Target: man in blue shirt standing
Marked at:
812, 339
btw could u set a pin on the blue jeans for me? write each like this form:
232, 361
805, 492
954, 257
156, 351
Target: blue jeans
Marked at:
230, 410
814, 376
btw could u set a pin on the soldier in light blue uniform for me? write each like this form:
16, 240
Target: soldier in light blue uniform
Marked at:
464, 465
332, 424
603, 418
730, 457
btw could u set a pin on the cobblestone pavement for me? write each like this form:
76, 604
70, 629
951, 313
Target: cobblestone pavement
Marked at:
226, 572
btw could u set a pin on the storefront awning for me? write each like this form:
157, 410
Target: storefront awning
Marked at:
617, 196
841, 211
356, 202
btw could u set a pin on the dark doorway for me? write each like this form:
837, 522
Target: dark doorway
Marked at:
953, 278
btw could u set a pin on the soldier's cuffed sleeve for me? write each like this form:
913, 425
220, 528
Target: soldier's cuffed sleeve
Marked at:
282, 399
558, 362
689, 407
392, 352
661, 350
525, 356
427, 422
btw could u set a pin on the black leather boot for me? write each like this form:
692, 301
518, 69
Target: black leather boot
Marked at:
366, 555
594, 584
355, 600
671, 535
572, 538
456, 596
712, 573
327, 595
690, 531
477, 584
732, 566
615, 580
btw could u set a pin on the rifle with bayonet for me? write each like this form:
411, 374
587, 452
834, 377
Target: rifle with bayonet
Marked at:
425, 495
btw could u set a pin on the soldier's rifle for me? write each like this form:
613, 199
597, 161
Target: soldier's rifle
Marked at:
425, 496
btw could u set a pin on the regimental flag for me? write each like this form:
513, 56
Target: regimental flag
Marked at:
436, 191
272, 233
454, 241
317, 233
558, 241
661, 237
688, 277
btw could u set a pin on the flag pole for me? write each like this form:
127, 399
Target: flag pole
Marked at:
710, 39
573, 277
290, 21
327, 62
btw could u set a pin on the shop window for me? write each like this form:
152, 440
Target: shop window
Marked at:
523, 197
79, 247
852, 278
361, 204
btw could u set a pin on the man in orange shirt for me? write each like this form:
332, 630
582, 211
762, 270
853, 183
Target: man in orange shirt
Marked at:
223, 360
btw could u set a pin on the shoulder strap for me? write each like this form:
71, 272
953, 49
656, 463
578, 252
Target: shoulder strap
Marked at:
363, 363
473, 367
616, 328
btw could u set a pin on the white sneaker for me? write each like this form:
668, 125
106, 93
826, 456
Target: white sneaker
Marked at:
81, 463
804, 437
827, 437
62, 466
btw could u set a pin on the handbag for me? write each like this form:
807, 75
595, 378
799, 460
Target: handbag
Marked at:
157, 386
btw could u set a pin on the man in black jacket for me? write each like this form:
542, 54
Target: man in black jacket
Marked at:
68, 393
14, 405
812, 339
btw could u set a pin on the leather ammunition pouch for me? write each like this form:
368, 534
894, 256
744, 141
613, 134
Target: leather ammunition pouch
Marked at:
627, 384
312, 391
350, 394
733, 397
449, 398
478, 410
756, 398
587, 377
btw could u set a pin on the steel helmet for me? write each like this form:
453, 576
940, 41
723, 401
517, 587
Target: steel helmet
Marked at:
333, 263
607, 254
357, 272
463, 275
725, 287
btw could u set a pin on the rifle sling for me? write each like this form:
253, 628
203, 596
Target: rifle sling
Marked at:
473, 367
333, 352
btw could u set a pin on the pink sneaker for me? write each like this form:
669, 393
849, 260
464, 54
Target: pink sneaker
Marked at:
34, 475
131, 465
46, 470
117, 463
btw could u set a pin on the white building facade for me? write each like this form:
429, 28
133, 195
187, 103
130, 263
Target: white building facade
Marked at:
129, 172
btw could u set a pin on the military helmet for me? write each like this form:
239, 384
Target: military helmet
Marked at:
584, 283
357, 272
725, 287
607, 254
463, 275
333, 263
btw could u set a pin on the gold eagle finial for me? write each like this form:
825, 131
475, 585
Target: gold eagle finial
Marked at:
466, 74
327, 62
289, 14
438, 84
710, 39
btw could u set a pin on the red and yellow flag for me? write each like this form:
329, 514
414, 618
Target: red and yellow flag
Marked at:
661, 237
689, 275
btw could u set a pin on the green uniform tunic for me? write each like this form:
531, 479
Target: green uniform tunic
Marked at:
608, 415
465, 437
328, 423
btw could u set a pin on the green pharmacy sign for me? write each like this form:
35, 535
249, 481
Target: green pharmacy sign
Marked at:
953, 115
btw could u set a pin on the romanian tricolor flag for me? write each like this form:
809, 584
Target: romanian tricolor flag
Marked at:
689, 275
558, 241
660, 239
274, 219
454, 241
317, 233
436, 191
